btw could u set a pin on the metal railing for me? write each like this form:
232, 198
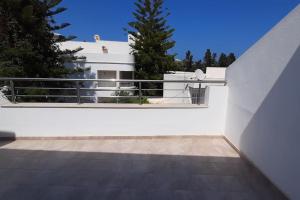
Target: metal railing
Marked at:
15, 85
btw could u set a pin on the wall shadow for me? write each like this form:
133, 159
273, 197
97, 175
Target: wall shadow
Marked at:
43, 175
6, 137
271, 138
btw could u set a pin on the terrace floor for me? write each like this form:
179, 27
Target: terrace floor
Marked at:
158, 168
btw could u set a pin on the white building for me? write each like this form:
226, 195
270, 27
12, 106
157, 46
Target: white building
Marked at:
188, 93
257, 112
104, 60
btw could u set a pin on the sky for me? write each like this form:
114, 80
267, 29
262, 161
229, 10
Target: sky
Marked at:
220, 25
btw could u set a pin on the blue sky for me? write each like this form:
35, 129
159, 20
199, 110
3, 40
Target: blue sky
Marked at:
221, 25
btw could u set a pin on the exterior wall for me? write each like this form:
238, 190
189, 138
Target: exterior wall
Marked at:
114, 47
92, 74
94, 67
263, 104
117, 59
51, 122
114, 67
215, 72
108, 58
118, 52
174, 90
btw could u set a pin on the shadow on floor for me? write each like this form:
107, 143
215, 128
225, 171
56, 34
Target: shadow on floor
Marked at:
48, 175
6, 137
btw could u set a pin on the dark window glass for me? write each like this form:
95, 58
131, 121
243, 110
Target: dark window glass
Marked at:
106, 74
127, 75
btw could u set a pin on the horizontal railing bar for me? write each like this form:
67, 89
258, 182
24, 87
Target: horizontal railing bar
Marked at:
44, 88
92, 89
152, 97
113, 80
179, 97
87, 96
90, 86
64, 96
53, 96
152, 89
113, 97
95, 89
168, 89
121, 97
156, 97
74, 96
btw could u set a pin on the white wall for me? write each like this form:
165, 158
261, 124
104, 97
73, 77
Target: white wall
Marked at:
117, 59
94, 67
108, 58
264, 104
180, 90
215, 73
50, 122
3, 99
114, 47
91, 73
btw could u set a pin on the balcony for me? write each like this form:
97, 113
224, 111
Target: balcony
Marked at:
191, 167
241, 143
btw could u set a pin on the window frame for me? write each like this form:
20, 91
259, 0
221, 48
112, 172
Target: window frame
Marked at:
126, 84
107, 84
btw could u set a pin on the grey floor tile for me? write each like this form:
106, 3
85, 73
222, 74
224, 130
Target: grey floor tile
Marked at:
142, 169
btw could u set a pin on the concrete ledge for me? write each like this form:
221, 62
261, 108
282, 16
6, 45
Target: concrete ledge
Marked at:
112, 137
73, 120
103, 106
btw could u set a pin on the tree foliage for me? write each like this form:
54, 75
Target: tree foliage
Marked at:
223, 60
28, 45
210, 59
188, 61
151, 37
230, 59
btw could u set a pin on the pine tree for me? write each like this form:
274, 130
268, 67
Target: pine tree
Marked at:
28, 44
188, 61
230, 59
214, 62
208, 60
222, 60
152, 39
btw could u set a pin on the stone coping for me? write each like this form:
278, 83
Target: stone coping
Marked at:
103, 106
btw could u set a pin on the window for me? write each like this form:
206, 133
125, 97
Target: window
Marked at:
127, 75
106, 74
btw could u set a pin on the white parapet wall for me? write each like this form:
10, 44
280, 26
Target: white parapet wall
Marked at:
3, 99
181, 92
58, 121
178, 92
264, 104
215, 73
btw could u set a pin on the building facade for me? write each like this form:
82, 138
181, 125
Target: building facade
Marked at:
190, 93
103, 60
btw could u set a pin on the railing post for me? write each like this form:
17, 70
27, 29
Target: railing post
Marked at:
140, 92
118, 94
13, 95
199, 96
78, 92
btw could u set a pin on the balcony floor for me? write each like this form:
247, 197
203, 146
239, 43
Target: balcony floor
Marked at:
158, 168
